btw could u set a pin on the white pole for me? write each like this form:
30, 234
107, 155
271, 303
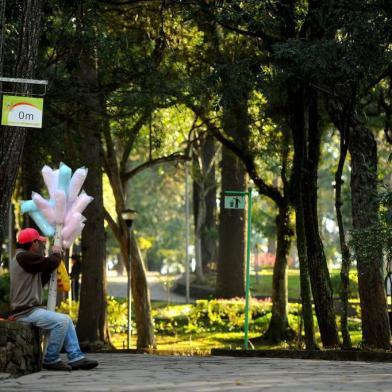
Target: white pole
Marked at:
69, 273
187, 233
129, 287
52, 294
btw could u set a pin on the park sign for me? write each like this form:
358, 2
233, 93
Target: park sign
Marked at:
235, 202
22, 111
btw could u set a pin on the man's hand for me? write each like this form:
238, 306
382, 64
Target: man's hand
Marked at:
56, 249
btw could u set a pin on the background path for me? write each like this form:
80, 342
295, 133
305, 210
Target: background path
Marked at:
117, 287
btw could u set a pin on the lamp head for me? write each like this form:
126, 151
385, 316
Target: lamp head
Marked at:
128, 216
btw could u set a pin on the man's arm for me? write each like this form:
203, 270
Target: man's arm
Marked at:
34, 263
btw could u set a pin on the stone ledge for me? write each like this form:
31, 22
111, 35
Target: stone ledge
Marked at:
4, 376
328, 355
20, 348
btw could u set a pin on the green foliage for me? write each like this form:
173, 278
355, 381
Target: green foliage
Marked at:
354, 324
72, 309
212, 316
117, 313
353, 283
370, 241
117, 318
171, 320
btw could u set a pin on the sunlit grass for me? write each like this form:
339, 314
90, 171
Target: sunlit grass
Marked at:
262, 283
202, 343
195, 343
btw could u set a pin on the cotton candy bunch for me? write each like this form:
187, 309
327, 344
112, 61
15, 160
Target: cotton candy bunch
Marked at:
62, 213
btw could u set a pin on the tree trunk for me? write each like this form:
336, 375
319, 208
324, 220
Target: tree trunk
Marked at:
232, 223
12, 139
141, 296
232, 236
209, 238
319, 274
140, 291
345, 251
279, 329
297, 124
2, 39
91, 325
30, 176
204, 205
368, 251
199, 213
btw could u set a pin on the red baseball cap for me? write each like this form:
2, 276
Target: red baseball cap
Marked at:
29, 235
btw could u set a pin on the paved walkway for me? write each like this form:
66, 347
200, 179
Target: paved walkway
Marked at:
117, 287
138, 372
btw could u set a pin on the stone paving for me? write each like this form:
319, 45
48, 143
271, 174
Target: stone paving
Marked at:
142, 372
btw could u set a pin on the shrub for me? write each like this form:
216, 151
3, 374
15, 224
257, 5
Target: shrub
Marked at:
117, 310
225, 315
117, 315
353, 284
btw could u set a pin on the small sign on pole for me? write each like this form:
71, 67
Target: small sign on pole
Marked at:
22, 111
235, 202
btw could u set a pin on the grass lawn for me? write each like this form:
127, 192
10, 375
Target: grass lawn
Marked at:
262, 284
196, 329
179, 332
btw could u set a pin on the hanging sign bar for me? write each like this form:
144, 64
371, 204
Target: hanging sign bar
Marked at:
44, 83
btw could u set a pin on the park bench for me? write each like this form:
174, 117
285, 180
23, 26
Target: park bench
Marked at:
20, 348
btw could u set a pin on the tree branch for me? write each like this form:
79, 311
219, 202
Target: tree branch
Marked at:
263, 188
131, 139
169, 158
113, 225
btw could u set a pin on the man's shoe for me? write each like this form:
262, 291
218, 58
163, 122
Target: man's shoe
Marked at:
61, 366
84, 364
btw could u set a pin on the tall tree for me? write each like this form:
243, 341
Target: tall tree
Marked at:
279, 328
12, 139
117, 173
361, 61
91, 325
297, 120
344, 248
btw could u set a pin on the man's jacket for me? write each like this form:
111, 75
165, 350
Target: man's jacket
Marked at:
29, 272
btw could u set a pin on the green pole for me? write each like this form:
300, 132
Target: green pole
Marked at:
247, 279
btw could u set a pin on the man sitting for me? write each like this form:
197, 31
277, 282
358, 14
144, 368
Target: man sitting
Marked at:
29, 271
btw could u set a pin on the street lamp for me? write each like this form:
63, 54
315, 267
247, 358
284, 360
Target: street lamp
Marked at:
129, 216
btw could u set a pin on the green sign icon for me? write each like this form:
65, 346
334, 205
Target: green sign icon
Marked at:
22, 111
235, 202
